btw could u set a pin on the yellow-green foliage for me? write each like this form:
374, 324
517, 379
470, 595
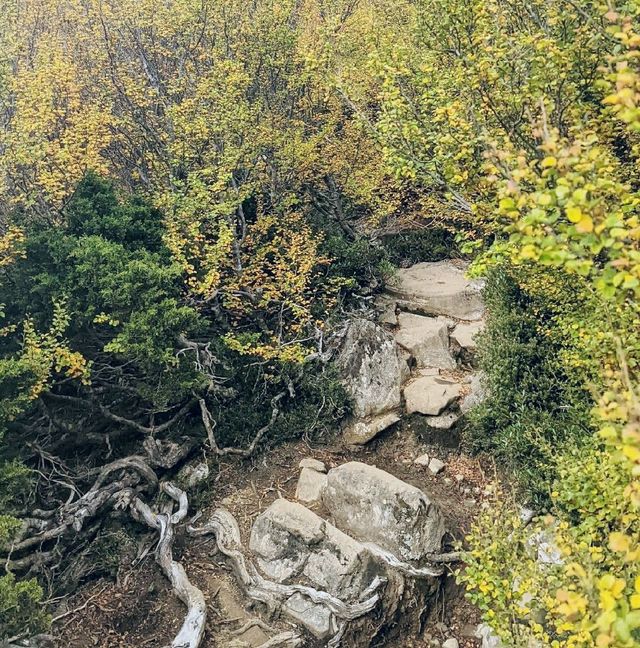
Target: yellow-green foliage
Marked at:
524, 119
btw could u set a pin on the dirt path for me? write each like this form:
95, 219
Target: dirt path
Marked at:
139, 609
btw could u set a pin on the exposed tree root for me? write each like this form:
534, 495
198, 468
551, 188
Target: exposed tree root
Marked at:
404, 568
227, 534
210, 424
192, 631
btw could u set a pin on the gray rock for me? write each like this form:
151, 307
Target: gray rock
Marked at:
476, 395
370, 368
439, 289
422, 460
436, 466
488, 637
373, 506
310, 486
314, 617
289, 541
431, 395
361, 431
465, 334
426, 339
443, 422
314, 464
451, 643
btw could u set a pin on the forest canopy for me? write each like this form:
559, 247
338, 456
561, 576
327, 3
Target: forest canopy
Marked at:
195, 195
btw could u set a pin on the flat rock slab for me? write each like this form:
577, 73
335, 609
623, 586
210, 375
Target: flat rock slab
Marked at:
426, 339
373, 506
361, 431
430, 395
465, 334
370, 368
439, 289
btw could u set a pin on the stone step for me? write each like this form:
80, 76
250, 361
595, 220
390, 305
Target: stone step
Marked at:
426, 339
430, 394
439, 288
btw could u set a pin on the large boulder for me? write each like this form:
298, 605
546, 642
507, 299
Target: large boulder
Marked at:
371, 368
426, 339
373, 506
438, 289
291, 543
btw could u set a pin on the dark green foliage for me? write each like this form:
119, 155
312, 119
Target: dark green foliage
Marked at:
415, 246
534, 407
362, 262
96, 210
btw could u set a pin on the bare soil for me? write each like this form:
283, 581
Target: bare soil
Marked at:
138, 609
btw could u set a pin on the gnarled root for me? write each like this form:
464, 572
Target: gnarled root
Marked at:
192, 630
225, 529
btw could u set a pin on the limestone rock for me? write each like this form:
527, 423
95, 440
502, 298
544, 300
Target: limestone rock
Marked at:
373, 506
290, 541
422, 460
436, 466
476, 394
310, 486
314, 617
314, 464
443, 422
426, 339
451, 643
361, 431
430, 395
465, 334
370, 367
488, 637
439, 289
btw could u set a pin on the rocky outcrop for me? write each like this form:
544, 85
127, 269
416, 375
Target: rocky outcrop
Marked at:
291, 543
433, 314
439, 289
373, 506
372, 373
370, 367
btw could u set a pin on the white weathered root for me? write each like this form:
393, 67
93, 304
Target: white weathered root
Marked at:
284, 640
192, 631
227, 533
404, 568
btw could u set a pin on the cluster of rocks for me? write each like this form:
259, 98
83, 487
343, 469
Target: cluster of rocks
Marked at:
369, 526
419, 358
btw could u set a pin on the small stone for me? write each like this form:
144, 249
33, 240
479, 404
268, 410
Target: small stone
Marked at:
459, 478
422, 460
448, 480
436, 466
451, 643
311, 485
314, 464
441, 627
